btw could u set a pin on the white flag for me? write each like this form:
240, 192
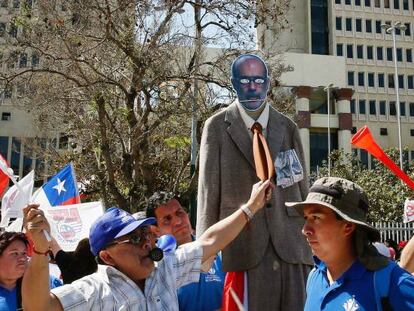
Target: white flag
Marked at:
16, 198
71, 223
408, 211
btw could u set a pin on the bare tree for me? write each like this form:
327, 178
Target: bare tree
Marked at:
123, 78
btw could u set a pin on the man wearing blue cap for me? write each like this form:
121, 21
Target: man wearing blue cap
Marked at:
129, 278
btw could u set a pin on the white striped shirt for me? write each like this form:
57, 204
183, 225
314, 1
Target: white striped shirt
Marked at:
109, 289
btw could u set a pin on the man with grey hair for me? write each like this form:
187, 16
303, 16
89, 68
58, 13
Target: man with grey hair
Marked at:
349, 273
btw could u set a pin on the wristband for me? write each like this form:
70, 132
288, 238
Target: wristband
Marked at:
41, 253
246, 210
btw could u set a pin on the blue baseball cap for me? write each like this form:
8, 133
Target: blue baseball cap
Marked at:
113, 224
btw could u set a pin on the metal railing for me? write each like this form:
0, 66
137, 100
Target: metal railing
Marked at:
396, 231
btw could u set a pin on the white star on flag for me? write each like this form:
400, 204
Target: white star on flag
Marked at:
60, 186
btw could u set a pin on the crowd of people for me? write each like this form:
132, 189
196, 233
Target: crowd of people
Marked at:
273, 244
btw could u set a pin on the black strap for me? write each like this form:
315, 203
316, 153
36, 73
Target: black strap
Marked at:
19, 294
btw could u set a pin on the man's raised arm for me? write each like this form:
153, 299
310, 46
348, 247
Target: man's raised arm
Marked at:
35, 286
222, 233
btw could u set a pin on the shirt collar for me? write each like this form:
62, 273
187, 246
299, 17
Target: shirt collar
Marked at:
249, 121
354, 272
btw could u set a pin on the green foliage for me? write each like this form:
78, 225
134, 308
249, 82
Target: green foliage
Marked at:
386, 192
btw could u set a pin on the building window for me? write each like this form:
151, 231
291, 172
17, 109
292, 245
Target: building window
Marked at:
357, 2
378, 28
23, 60
6, 116
348, 2
409, 55
360, 51
396, 4
411, 109
349, 51
368, 25
372, 107
383, 131
402, 109
412, 134
13, 31
382, 106
381, 79
353, 106
63, 141
2, 29
389, 54
351, 81
391, 81
338, 23
370, 53
401, 81
361, 80
377, 3
338, 1
393, 110
348, 24
35, 60
353, 130
387, 4
339, 49
319, 27
371, 79
405, 5
399, 55
362, 109
367, 3
398, 31
410, 82
380, 55
358, 25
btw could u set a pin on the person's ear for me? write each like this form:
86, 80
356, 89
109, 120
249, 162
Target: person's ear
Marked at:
349, 228
106, 257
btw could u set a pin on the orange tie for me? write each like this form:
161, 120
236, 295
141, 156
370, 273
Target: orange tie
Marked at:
261, 154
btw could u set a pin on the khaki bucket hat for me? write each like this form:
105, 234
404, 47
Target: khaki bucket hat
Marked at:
344, 197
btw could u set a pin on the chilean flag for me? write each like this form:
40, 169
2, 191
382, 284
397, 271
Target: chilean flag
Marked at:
4, 175
61, 189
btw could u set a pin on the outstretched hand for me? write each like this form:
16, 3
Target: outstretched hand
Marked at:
261, 193
35, 222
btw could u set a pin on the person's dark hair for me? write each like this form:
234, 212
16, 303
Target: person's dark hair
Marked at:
394, 245
243, 57
7, 238
157, 199
77, 264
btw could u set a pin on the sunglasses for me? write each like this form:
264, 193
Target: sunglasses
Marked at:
257, 80
135, 239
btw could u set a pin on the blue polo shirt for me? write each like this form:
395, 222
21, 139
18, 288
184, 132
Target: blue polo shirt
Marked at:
354, 290
7, 299
205, 295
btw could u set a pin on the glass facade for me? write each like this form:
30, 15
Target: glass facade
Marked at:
319, 147
319, 21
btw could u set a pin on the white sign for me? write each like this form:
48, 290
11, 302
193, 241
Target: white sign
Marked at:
408, 211
71, 223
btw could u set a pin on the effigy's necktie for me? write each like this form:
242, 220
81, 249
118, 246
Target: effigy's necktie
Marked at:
261, 154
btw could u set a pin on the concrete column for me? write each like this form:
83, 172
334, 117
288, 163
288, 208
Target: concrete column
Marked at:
343, 98
303, 120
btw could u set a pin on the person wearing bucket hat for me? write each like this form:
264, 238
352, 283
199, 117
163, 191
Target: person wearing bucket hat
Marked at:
129, 279
348, 269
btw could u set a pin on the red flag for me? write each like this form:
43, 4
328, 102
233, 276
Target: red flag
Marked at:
4, 178
234, 281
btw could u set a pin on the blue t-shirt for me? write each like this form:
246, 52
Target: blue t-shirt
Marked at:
8, 299
354, 290
205, 295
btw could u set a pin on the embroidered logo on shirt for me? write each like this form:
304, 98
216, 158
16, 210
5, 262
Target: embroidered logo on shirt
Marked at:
351, 305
